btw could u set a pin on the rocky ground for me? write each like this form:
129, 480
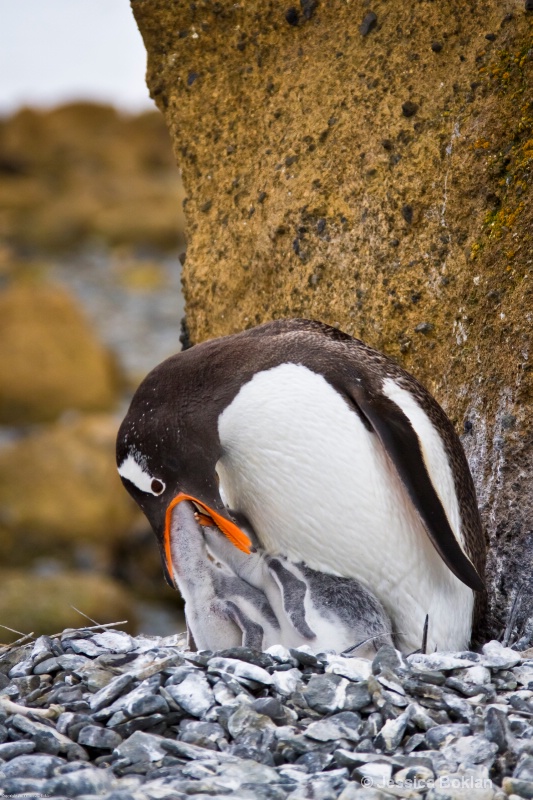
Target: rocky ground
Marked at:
95, 712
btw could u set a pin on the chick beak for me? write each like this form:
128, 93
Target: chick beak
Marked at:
205, 516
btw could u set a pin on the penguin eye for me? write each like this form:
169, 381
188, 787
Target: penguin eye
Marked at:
157, 486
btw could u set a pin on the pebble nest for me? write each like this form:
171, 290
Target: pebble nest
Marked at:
102, 714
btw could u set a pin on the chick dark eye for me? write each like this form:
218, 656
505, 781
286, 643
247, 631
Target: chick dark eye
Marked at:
157, 486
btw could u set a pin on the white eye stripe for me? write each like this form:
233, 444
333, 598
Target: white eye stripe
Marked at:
133, 472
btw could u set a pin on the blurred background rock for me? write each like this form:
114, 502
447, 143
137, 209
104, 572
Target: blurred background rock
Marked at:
90, 300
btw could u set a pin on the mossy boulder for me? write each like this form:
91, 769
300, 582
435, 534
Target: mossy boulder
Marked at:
43, 603
50, 359
85, 173
59, 492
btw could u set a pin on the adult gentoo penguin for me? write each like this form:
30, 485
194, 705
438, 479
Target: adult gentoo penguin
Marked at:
334, 454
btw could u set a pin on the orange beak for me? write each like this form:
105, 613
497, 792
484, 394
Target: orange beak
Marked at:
234, 534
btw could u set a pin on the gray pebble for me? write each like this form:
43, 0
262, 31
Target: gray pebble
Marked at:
441, 735
85, 647
64, 662
272, 707
281, 654
42, 648
21, 669
193, 752
210, 735
154, 723
413, 742
355, 669
523, 674
102, 738
478, 675
468, 783
441, 661
245, 721
330, 693
247, 654
240, 670
92, 781
198, 771
470, 750
114, 641
12, 749
304, 656
193, 694
524, 768
23, 786
137, 700
96, 679
141, 746
421, 718
109, 693
379, 772
497, 729
143, 706
387, 657
250, 772
315, 761
516, 788
287, 682
326, 693
345, 725
392, 733
463, 711
239, 687
497, 656
45, 737
357, 696
38, 766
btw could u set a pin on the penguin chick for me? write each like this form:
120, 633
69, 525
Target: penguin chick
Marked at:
258, 600
221, 609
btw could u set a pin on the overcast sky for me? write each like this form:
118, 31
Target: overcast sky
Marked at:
53, 51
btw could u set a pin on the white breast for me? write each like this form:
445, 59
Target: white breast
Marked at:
317, 486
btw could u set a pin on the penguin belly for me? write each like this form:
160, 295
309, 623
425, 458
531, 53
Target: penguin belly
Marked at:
317, 486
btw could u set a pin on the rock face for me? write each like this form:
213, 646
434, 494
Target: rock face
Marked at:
371, 167
50, 359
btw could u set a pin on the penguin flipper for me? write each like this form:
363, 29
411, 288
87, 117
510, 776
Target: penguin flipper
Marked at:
252, 632
397, 435
293, 592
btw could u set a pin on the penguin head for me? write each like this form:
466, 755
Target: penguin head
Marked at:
167, 450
